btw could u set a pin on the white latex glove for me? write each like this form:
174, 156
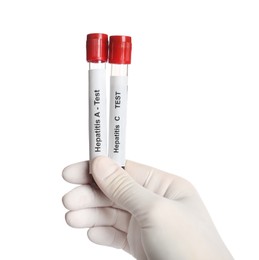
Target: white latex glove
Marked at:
148, 213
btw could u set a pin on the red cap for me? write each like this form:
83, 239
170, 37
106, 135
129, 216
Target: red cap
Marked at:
120, 49
97, 47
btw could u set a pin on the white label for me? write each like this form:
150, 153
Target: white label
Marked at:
118, 114
97, 113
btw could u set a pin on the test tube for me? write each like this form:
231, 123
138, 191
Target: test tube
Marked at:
97, 55
119, 57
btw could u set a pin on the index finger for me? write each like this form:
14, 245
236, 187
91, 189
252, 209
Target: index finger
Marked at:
78, 173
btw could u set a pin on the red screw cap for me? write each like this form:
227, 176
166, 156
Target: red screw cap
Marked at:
97, 47
120, 49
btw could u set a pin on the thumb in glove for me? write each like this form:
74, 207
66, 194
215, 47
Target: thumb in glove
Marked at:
121, 188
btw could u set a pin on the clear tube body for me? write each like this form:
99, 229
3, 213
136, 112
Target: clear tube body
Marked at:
97, 65
118, 112
97, 110
119, 70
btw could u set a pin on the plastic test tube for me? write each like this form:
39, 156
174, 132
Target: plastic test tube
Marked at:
119, 57
97, 54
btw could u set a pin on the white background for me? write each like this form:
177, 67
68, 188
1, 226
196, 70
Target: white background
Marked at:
193, 110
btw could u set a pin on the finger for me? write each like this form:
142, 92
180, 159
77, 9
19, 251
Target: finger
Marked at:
78, 173
108, 236
85, 196
95, 217
120, 187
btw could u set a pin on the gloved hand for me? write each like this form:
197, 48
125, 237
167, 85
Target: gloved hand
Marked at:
148, 213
